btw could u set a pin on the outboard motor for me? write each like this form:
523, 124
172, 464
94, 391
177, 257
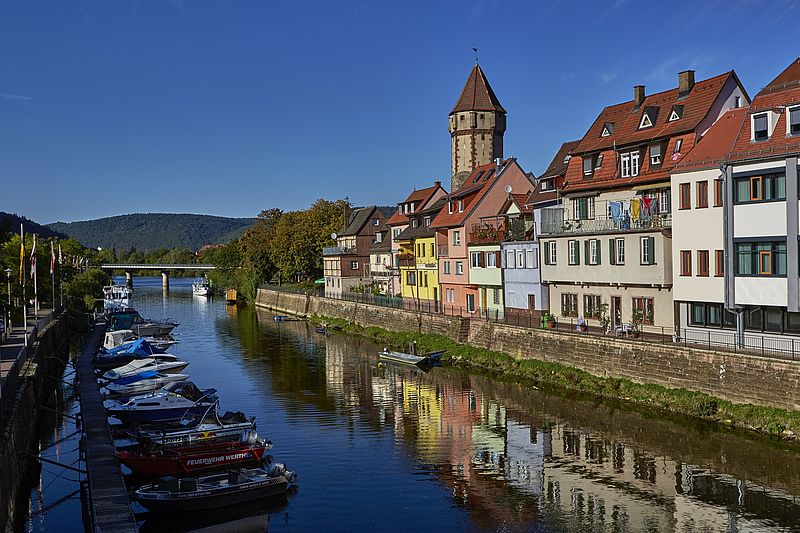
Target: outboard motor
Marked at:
250, 436
278, 469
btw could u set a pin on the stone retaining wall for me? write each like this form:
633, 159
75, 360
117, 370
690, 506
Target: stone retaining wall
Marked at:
735, 377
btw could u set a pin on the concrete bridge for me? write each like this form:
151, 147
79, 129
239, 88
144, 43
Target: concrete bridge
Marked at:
164, 268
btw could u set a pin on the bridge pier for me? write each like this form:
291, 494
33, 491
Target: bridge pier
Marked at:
165, 279
129, 278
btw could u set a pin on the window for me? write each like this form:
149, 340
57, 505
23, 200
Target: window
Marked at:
459, 268
664, 201
594, 252
686, 263
520, 258
460, 206
396, 232
569, 304
551, 252
678, 146
760, 127
676, 113
450, 207
588, 166
625, 162
354, 265
427, 221
598, 161
510, 263
702, 194
592, 306
583, 208
530, 259
635, 163
608, 129
718, 191
794, 121
766, 188
574, 253
646, 308
619, 258
761, 258
471, 303
376, 222
496, 297
647, 251
378, 237
686, 195
702, 263
645, 122
491, 259
411, 277
655, 155
433, 250
456, 238
414, 223
476, 259
446, 267
719, 259
707, 314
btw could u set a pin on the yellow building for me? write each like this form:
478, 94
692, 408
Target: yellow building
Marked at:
418, 257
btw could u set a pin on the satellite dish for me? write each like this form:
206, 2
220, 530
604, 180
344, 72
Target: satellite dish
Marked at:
333, 235
508, 189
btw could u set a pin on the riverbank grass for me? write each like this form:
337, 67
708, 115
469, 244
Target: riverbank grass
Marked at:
767, 420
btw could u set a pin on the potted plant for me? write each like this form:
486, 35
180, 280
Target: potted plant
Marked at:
636, 324
605, 320
551, 320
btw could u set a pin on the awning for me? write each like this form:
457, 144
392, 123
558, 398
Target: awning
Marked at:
320, 281
652, 186
587, 194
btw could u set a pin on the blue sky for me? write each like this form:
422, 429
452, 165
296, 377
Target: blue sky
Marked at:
231, 107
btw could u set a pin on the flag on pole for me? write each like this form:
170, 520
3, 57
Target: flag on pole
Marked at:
33, 257
52, 258
60, 261
22, 257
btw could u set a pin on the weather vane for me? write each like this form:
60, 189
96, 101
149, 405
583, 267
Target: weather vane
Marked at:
476, 55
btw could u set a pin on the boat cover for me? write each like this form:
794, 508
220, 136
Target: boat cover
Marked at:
147, 374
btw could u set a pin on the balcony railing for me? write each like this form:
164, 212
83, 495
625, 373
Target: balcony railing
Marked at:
444, 250
553, 223
338, 250
487, 234
379, 271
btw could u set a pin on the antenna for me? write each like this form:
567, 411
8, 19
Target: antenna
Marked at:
508, 189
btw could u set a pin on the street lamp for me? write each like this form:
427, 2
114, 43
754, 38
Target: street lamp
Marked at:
8, 311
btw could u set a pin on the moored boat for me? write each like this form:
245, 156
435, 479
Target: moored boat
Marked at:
195, 458
165, 364
143, 382
201, 287
132, 320
211, 428
411, 359
217, 490
173, 402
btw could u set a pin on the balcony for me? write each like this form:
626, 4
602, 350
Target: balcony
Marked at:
554, 223
338, 250
380, 271
487, 234
444, 250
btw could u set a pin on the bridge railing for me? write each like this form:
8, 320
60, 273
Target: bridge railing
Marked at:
157, 266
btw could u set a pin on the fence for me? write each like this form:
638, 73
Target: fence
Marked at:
786, 348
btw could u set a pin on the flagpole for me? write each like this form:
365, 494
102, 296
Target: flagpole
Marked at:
22, 277
53, 273
35, 280
61, 274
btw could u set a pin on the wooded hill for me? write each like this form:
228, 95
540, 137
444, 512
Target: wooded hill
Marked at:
9, 223
153, 231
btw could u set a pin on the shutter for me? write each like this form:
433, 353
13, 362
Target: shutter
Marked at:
546, 252
651, 247
612, 257
497, 258
599, 252
577, 252
586, 258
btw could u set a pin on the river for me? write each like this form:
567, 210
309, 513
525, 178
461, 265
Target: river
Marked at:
391, 448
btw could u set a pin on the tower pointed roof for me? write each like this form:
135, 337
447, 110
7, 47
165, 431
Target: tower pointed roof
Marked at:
477, 94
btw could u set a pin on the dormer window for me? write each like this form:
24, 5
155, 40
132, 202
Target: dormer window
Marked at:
405, 208
450, 207
646, 122
678, 146
608, 129
414, 223
427, 221
412, 206
378, 237
567, 158
676, 113
588, 167
543, 185
460, 206
598, 162
760, 127
794, 120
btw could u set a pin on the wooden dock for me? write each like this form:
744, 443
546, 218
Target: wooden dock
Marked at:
109, 506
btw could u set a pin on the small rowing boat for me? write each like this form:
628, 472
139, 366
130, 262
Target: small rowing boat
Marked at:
411, 359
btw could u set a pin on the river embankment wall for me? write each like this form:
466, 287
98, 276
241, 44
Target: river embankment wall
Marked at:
47, 357
734, 377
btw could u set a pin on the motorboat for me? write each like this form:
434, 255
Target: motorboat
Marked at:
409, 358
116, 296
195, 430
125, 353
201, 287
110, 362
192, 459
171, 494
163, 363
132, 320
173, 402
143, 382
114, 339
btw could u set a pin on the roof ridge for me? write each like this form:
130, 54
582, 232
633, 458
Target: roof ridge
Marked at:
672, 89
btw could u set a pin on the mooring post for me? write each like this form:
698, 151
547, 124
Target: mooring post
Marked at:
128, 278
165, 279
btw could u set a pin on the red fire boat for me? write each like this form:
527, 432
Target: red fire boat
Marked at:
190, 459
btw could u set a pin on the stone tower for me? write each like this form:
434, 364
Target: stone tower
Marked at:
477, 125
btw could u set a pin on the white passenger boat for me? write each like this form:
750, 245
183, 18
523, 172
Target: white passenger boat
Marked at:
116, 296
201, 287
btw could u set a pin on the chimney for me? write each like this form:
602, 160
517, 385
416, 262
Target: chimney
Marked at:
638, 95
685, 81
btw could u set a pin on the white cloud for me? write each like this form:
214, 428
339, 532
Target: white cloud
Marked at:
18, 97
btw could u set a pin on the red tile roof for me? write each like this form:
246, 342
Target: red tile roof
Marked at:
477, 94
781, 92
558, 166
715, 145
419, 197
470, 193
626, 118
